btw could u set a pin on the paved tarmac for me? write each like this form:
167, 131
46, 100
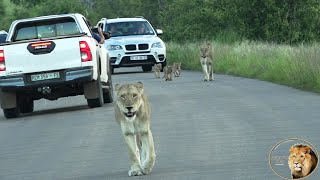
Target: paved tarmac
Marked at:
218, 130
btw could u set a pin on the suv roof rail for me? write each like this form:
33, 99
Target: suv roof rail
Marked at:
103, 19
140, 17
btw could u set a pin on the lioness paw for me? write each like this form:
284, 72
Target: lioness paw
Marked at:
146, 170
147, 166
135, 172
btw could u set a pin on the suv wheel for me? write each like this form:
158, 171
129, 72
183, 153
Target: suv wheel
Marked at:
146, 68
112, 70
164, 63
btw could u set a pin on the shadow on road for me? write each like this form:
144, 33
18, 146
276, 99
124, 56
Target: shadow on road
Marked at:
129, 72
48, 111
56, 110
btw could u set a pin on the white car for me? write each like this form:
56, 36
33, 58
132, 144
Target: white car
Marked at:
130, 46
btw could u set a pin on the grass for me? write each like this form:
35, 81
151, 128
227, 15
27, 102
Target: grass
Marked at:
295, 66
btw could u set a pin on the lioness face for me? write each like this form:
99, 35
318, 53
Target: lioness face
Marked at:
205, 49
169, 69
179, 66
297, 157
158, 66
129, 98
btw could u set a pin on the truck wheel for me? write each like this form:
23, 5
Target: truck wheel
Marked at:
97, 102
11, 113
25, 104
146, 68
108, 92
9, 104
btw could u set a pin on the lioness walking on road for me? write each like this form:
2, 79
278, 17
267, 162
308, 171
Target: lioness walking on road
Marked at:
176, 69
133, 112
167, 73
157, 69
206, 60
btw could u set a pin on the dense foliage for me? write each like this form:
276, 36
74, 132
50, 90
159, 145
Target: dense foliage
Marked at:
285, 21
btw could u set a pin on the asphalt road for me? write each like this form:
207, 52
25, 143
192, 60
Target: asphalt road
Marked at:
223, 129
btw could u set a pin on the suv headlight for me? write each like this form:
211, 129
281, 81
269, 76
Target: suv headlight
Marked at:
113, 47
156, 45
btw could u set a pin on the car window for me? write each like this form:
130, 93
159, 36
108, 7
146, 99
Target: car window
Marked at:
130, 28
26, 33
3, 38
46, 29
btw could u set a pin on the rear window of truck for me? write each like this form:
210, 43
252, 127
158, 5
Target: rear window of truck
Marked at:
45, 29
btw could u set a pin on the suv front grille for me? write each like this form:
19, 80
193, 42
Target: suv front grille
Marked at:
131, 47
143, 46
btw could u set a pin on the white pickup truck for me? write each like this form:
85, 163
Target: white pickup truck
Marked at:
52, 57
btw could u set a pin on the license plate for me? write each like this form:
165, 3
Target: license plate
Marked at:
138, 57
45, 76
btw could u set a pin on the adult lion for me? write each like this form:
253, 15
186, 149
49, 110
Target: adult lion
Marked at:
132, 112
302, 161
206, 60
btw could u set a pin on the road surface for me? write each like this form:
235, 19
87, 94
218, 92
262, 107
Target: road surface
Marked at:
223, 129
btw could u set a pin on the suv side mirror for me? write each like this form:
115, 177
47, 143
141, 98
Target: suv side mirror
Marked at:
159, 32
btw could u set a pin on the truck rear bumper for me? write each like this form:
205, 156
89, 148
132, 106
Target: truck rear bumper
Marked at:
67, 76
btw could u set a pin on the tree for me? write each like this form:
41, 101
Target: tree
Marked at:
2, 8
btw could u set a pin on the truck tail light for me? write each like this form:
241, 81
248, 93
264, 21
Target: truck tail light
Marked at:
85, 51
2, 63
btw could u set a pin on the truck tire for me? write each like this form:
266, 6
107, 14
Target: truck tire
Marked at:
26, 105
146, 68
11, 113
108, 92
96, 102
9, 104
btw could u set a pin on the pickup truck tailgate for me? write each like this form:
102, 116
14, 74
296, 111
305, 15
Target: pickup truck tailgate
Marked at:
65, 53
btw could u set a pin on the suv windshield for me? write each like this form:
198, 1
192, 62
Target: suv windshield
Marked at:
130, 28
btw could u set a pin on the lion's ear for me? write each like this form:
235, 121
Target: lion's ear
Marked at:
117, 87
308, 150
140, 86
291, 150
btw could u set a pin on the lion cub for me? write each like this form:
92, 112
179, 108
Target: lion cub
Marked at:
132, 112
157, 69
167, 73
206, 60
176, 69
302, 161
